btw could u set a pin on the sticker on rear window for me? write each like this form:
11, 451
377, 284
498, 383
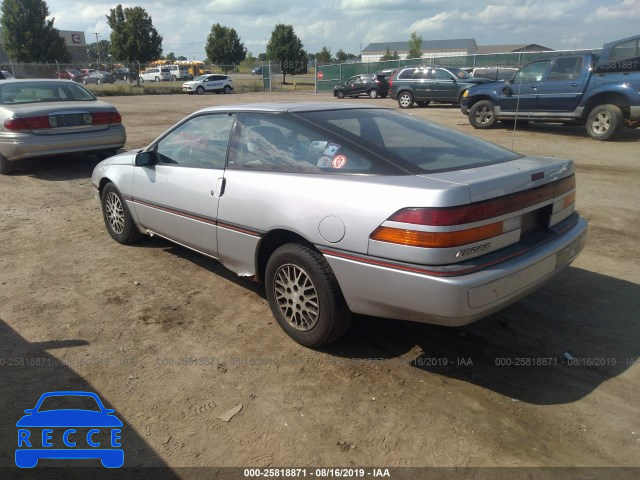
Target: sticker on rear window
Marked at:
338, 161
331, 149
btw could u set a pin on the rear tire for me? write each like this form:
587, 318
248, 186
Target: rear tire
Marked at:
405, 100
5, 166
373, 93
304, 296
157, 79
482, 115
227, 89
117, 217
605, 122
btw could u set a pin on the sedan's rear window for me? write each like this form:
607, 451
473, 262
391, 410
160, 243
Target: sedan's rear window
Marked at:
39, 92
415, 145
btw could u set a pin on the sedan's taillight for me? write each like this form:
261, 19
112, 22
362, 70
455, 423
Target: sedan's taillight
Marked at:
105, 118
423, 236
16, 124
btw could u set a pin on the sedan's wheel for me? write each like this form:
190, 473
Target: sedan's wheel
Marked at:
482, 115
5, 165
373, 93
200, 90
340, 94
98, 81
304, 296
84, 81
227, 89
405, 100
117, 217
157, 79
604, 122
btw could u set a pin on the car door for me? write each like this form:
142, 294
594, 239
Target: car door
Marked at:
351, 86
522, 92
214, 82
561, 89
177, 197
444, 86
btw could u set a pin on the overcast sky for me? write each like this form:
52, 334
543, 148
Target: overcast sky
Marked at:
352, 24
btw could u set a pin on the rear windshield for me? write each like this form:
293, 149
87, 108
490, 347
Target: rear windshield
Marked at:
40, 92
415, 145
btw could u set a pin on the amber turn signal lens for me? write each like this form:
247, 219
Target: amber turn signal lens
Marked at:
568, 200
414, 238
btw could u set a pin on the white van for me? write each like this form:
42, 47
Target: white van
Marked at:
156, 74
179, 72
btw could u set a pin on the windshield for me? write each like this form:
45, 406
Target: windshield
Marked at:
69, 402
39, 92
415, 145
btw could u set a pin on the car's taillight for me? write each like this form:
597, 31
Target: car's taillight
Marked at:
390, 83
105, 118
472, 213
16, 124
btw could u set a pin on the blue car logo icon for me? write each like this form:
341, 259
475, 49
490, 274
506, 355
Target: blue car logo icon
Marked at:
90, 432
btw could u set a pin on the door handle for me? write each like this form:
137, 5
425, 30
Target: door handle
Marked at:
218, 191
574, 84
534, 86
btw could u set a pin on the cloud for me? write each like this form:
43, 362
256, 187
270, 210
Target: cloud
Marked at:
627, 10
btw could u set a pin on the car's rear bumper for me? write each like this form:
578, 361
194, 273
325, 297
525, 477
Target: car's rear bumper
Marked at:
19, 146
383, 289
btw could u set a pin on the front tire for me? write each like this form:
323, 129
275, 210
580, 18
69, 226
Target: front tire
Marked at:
605, 122
340, 94
117, 217
304, 296
200, 90
482, 115
373, 93
405, 100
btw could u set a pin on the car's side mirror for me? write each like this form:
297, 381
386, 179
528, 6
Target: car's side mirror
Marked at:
145, 159
29, 411
512, 79
109, 411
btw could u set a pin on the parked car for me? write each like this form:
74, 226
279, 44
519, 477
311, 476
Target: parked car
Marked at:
256, 71
52, 117
86, 71
494, 73
372, 85
209, 83
98, 77
5, 75
179, 72
123, 73
70, 74
423, 85
601, 92
341, 209
156, 74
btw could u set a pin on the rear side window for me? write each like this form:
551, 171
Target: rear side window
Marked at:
414, 145
407, 74
282, 143
566, 68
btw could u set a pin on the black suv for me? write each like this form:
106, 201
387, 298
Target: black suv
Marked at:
373, 85
424, 85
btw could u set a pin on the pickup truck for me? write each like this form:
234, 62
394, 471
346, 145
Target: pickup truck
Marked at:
601, 92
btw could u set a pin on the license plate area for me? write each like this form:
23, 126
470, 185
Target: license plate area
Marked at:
571, 251
70, 120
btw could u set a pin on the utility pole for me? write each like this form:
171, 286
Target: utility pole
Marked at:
98, 49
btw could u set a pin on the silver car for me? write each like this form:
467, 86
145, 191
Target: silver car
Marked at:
348, 209
53, 117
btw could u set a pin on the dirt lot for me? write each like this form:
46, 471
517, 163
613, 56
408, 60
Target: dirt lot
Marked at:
172, 340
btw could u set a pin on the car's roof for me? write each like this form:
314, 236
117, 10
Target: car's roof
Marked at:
289, 107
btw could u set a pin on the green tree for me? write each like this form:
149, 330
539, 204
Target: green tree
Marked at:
99, 51
323, 56
27, 34
133, 36
286, 48
224, 47
170, 56
181, 57
415, 46
387, 55
262, 57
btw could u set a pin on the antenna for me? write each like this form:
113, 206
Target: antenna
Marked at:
526, 35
